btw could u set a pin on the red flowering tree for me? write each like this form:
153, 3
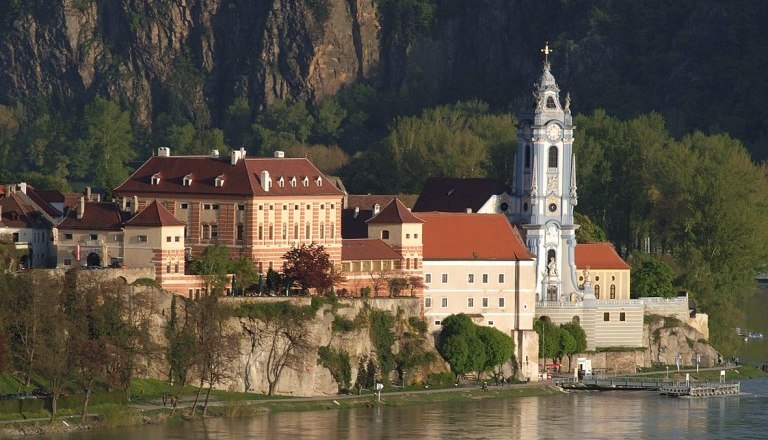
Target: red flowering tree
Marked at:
309, 267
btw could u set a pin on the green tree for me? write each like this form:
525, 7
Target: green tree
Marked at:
105, 146
328, 118
237, 124
499, 347
282, 125
588, 232
651, 277
213, 265
460, 345
549, 339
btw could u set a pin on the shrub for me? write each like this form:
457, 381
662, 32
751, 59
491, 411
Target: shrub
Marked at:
418, 324
338, 363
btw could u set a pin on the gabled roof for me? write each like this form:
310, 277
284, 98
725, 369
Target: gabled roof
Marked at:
455, 194
456, 236
394, 213
598, 256
367, 201
39, 198
16, 213
97, 216
367, 249
241, 179
154, 215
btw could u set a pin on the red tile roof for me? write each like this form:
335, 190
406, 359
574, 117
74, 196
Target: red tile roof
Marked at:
455, 194
395, 213
154, 215
367, 249
98, 216
16, 213
598, 256
456, 236
39, 197
241, 179
366, 201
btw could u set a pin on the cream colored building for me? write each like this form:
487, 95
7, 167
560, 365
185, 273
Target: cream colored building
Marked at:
476, 264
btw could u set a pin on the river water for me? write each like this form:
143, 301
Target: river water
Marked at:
597, 415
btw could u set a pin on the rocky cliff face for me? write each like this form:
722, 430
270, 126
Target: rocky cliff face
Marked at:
207, 51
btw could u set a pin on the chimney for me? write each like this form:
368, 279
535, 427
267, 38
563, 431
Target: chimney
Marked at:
265, 180
23, 187
376, 209
88, 193
215, 154
235, 156
469, 210
357, 211
81, 208
98, 197
279, 154
135, 204
163, 152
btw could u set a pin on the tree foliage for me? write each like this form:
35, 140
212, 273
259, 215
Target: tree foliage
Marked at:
309, 267
651, 277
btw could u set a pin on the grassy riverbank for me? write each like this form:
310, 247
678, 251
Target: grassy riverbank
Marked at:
148, 406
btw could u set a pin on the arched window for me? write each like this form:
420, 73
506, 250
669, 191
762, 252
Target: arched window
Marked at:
527, 156
551, 103
613, 291
597, 291
553, 156
551, 255
322, 230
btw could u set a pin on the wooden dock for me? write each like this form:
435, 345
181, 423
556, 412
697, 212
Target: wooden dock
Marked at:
701, 389
618, 383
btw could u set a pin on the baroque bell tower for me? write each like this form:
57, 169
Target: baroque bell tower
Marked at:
544, 188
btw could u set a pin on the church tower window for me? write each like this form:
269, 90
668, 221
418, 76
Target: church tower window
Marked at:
553, 156
527, 156
551, 103
597, 291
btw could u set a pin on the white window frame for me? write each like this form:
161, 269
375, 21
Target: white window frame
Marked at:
444, 302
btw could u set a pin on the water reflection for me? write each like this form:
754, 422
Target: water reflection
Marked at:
607, 415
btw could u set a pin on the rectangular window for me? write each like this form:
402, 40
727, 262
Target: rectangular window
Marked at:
94, 236
67, 261
142, 238
206, 235
427, 302
261, 232
241, 207
215, 207
261, 207
470, 302
445, 278
168, 239
501, 278
177, 239
437, 322
214, 232
240, 231
271, 232
407, 235
427, 278
168, 268
622, 316
176, 268
407, 263
490, 323
444, 302
470, 278
183, 205
501, 302
67, 236
207, 206
485, 278
485, 303
606, 316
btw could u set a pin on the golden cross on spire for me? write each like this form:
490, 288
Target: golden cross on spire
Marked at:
546, 51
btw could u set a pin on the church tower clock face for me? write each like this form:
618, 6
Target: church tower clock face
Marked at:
554, 132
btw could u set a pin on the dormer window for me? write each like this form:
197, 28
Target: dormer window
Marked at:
187, 181
219, 182
281, 182
156, 179
305, 181
293, 181
319, 181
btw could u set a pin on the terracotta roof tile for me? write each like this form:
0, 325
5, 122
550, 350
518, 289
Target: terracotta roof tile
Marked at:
97, 216
154, 214
598, 256
456, 236
39, 197
395, 213
241, 179
367, 249
366, 201
16, 213
454, 194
